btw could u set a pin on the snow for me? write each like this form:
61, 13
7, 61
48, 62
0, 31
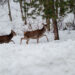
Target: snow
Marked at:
44, 58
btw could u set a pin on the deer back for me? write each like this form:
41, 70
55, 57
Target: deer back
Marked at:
35, 33
7, 38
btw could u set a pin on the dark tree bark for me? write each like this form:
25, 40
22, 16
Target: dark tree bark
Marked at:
21, 10
9, 11
30, 3
47, 18
56, 35
48, 23
25, 11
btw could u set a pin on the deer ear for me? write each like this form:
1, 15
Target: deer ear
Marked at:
11, 30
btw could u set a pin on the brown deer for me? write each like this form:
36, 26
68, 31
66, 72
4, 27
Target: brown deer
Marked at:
36, 34
7, 38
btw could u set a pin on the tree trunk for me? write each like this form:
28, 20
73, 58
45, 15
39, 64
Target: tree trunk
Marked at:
9, 11
56, 35
25, 21
30, 3
47, 14
25, 11
48, 23
21, 9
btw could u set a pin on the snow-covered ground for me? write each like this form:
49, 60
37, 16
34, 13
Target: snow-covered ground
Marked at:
44, 58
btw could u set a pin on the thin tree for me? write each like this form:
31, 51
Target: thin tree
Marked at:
25, 12
56, 34
9, 11
21, 8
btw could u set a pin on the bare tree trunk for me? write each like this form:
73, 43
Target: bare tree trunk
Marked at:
25, 12
25, 21
47, 15
21, 10
9, 11
48, 23
31, 2
56, 35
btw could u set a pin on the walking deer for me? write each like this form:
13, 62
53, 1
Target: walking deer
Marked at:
7, 38
36, 34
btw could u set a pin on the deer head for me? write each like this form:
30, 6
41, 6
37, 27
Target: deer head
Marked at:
44, 25
14, 34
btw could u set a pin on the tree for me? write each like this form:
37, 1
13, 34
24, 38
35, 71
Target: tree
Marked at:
23, 8
9, 11
20, 2
2, 2
54, 18
51, 12
51, 9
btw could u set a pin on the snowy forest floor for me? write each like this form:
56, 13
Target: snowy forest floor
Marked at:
45, 58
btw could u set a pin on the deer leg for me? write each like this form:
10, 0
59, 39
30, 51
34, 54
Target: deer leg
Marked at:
47, 38
21, 40
27, 41
37, 40
12, 41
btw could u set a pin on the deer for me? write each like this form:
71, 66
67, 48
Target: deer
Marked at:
36, 34
7, 38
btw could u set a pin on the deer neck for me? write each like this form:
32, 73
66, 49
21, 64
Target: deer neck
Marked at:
43, 29
11, 35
